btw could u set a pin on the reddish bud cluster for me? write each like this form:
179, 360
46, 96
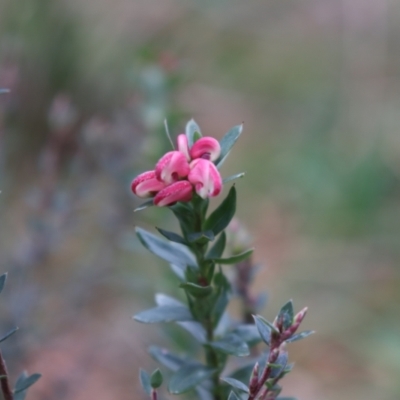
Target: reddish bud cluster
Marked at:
178, 173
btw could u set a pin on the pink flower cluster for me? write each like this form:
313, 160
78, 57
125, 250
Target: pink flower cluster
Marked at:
181, 172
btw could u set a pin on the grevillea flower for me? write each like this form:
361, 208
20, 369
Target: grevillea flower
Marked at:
206, 147
205, 177
146, 184
177, 191
183, 146
172, 166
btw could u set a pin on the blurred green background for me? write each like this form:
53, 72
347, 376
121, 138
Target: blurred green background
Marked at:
317, 84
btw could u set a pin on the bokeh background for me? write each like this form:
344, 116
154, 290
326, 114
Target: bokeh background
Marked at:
317, 84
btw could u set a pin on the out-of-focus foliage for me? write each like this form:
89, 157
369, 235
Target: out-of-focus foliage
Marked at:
316, 84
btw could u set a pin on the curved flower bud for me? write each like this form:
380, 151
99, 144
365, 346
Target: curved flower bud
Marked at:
205, 177
146, 184
171, 167
177, 191
183, 146
206, 147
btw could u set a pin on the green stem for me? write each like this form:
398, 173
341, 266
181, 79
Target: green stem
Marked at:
211, 356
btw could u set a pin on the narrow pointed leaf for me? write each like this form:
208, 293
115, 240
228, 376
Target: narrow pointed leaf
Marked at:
156, 379
199, 236
231, 344
164, 314
146, 204
218, 248
8, 334
179, 271
234, 259
172, 236
187, 377
236, 384
174, 253
165, 300
171, 361
248, 333
193, 132
223, 214
168, 134
233, 177
263, 329
145, 381
286, 315
227, 142
24, 384
2, 281
196, 290
299, 336
233, 396
195, 329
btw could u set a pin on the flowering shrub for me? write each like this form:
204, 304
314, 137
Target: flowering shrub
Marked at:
184, 180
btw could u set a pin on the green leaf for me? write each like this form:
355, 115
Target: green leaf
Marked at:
164, 314
271, 325
8, 334
286, 315
166, 358
231, 344
172, 236
223, 214
264, 329
234, 259
233, 396
187, 377
165, 300
233, 177
195, 329
206, 236
168, 134
196, 290
145, 381
185, 215
218, 249
248, 333
279, 365
24, 382
2, 281
227, 143
174, 253
146, 204
193, 132
236, 384
299, 336
286, 398
179, 271
156, 379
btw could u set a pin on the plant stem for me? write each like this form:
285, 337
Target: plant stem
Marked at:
4, 382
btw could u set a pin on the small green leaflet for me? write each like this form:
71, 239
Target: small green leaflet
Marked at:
227, 142
193, 132
164, 314
188, 377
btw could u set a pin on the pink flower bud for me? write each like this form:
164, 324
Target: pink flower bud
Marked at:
206, 147
146, 184
172, 166
205, 178
177, 191
183, 146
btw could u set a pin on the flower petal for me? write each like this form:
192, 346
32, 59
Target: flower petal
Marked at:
205, 177
177, 191
146, 184
172, 166
183, 146
206, 147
